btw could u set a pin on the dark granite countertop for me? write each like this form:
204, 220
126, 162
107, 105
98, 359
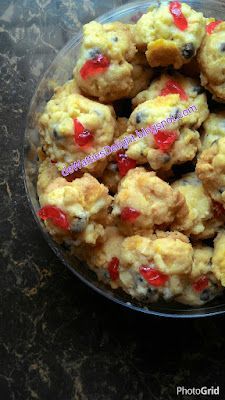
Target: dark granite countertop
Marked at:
58, 339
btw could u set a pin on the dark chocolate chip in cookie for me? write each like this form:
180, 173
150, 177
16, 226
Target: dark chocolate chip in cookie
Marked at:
151, 291
175, 114
166, 158
106, 275
78, 225
188, 50
198, 89
138, 118
115, 39
94, 52
55, 134
205, 295
222, 47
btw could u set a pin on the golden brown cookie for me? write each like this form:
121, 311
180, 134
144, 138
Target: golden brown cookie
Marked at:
211, 58
190, 91
200, 221
166, 39
145, 201
81, 204
211, 170
104, 68
73, 127
169, 137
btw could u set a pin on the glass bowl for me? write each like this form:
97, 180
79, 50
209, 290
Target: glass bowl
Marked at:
60, 71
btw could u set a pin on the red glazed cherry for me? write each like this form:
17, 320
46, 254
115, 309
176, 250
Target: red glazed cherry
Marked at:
113, 268
124, 163
165, 139
178, 17
129, 214
173, 87
219, 210
58, 217
94, 66
81, 135
200, 284
210, 27
153, 276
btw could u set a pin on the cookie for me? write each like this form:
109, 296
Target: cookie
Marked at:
211, 170
200, 221
153, 269
73, 127
172, 138
74, 212
211, 58
144, 202
218, 260
190, 91
213, 129
104, 68
168, 39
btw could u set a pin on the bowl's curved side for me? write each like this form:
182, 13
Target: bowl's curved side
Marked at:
58, 72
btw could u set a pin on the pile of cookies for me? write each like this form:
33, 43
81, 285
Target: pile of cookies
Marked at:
149, 219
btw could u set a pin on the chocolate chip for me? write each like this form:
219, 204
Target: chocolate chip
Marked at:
94, 52
55, 134
109, 209
152, 290
175, 115
199, 89
166, 158
78, 225
48, 94
188, 50
115, 39
222, 47
205, 295
138, 118
106, 275
221, 190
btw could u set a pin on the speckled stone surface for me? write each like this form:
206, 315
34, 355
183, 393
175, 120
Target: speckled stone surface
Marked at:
58, 339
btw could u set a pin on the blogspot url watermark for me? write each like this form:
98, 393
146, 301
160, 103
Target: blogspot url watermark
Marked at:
214, 391
124, 143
